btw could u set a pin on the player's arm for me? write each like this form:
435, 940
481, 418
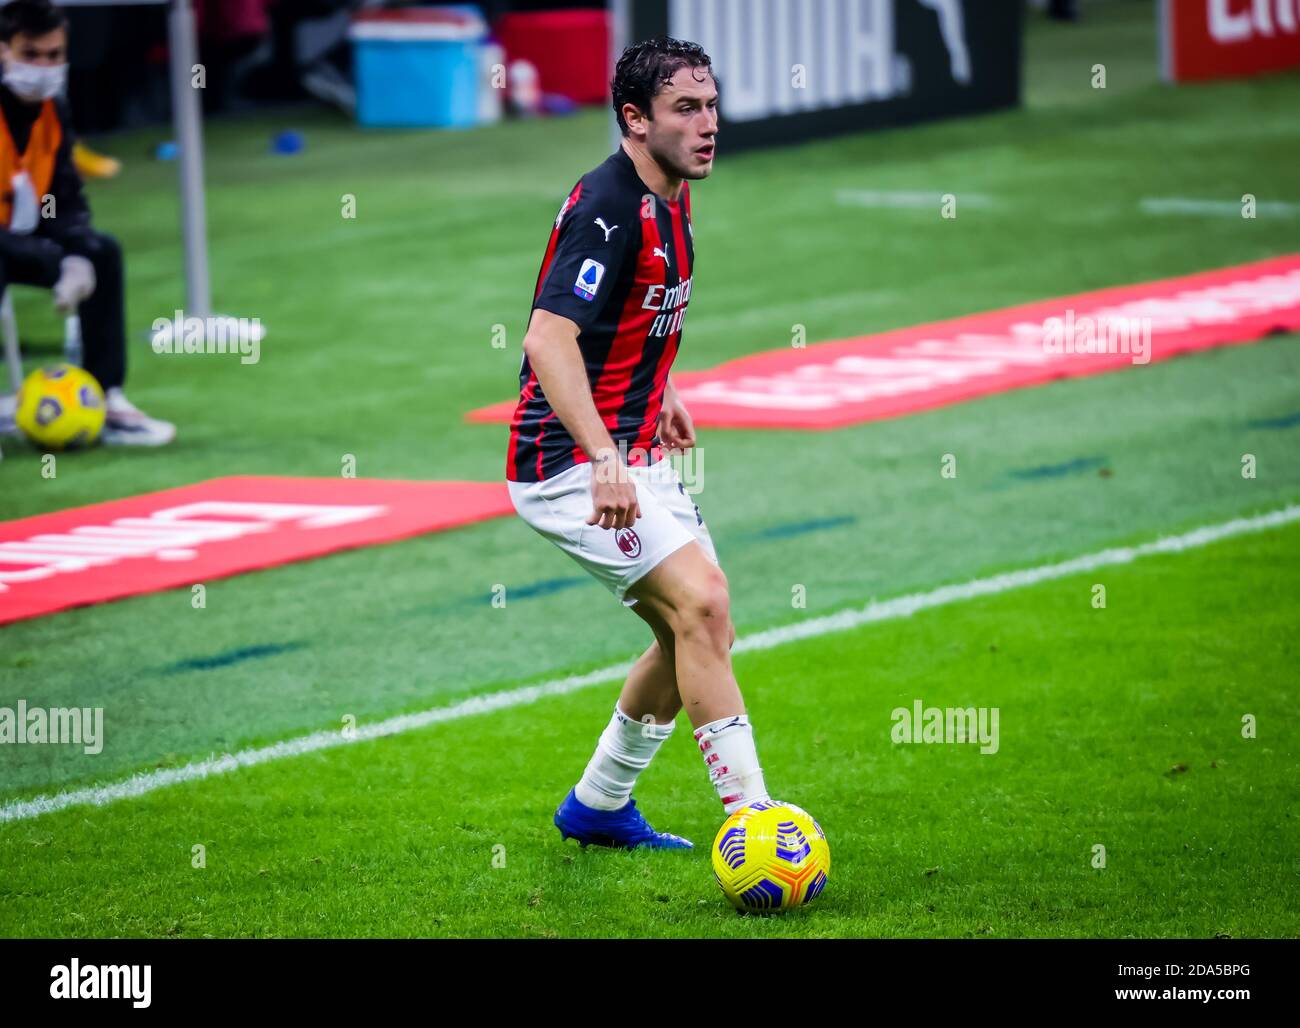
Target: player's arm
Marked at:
598, 237
551, 344
676, 429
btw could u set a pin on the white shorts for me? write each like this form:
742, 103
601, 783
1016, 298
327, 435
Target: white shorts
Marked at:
559, 507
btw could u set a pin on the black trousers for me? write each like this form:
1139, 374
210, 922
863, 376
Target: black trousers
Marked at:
103, 316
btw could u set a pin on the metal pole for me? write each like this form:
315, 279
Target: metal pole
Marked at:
186, 115
620, 31
187, 122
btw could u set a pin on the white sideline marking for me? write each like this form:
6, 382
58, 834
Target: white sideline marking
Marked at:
1220, 208
903, 200
884, 610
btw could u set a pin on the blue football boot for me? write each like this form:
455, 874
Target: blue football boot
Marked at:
624, 828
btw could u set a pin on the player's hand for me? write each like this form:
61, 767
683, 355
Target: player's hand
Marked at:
676, 429
76, 283
613, 494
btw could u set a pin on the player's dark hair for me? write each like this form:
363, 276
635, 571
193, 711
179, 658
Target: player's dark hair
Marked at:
646, 67
30, 17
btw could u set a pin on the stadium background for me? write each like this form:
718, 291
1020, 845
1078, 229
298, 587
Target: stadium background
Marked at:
1120, 727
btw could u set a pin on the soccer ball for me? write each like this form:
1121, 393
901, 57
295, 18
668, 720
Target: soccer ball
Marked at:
60, 406
771, 856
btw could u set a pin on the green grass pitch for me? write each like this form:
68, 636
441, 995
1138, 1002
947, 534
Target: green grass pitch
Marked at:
1119, 727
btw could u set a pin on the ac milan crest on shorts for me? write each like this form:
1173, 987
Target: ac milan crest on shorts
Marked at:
558, 508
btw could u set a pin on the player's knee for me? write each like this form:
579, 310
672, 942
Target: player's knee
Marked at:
705, 609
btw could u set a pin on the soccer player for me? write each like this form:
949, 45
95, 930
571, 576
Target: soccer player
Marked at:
597, 410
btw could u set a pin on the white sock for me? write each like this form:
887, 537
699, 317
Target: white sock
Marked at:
625, 749
732, 762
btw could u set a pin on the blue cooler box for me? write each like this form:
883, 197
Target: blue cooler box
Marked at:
419, 66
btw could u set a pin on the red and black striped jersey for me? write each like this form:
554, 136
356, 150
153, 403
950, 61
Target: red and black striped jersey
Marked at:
619, 265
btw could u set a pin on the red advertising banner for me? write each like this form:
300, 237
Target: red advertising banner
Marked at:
1214, 39
222, 527
851, 381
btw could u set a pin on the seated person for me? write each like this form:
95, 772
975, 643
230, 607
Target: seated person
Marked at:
46, 238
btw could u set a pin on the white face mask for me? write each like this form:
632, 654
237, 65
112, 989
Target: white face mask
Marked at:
33, 82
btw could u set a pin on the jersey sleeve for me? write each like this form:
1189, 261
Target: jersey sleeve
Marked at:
592, 246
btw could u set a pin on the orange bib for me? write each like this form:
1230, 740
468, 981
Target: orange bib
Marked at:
37, 160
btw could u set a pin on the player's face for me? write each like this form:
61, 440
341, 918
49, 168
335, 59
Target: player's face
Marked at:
683, 132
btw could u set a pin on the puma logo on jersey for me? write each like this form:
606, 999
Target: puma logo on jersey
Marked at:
661, 252
600, 222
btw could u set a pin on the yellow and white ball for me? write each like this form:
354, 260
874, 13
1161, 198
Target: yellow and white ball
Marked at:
771, 856
60, 406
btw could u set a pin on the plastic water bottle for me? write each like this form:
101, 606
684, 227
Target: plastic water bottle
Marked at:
525, 90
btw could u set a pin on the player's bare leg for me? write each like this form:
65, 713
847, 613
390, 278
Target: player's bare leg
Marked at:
650, 692
600, 808
651, 687
688, 593
642, 721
